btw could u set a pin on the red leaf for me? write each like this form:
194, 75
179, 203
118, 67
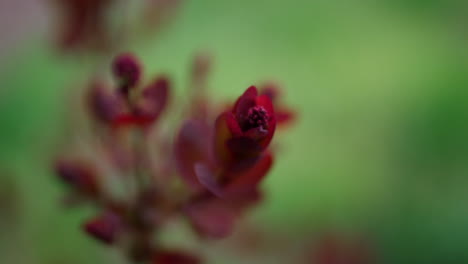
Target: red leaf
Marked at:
104, 228
226, 127
104, 105
285, 116
193, 145
249, 179
154, 100
211, 218
79, 175
243, 147
207, 177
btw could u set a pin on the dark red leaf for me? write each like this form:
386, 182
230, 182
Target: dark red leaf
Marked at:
226, 127
211, 218
193, 145
285, 116
79, 175
248, 180
153, 101
104, 105
105, 228
207, 177
243, 147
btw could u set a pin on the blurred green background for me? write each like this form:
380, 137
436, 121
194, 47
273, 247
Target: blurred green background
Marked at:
380, 146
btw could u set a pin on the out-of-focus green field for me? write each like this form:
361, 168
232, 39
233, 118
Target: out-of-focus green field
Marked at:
380, 146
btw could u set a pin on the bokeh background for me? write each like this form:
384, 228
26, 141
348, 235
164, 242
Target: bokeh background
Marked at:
379, 149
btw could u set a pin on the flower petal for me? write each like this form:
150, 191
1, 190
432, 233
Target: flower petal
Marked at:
245, 101
265, 101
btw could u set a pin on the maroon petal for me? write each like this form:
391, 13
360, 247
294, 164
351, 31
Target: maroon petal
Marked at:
211, 218
245, 101
193, 145
175, 257
105, 228
249, 179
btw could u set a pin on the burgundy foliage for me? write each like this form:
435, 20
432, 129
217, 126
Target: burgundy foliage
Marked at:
208, 168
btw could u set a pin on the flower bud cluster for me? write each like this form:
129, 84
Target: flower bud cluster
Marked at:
204, 165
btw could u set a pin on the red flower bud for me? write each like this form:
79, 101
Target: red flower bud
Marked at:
248, 129
150, 105
127, 70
